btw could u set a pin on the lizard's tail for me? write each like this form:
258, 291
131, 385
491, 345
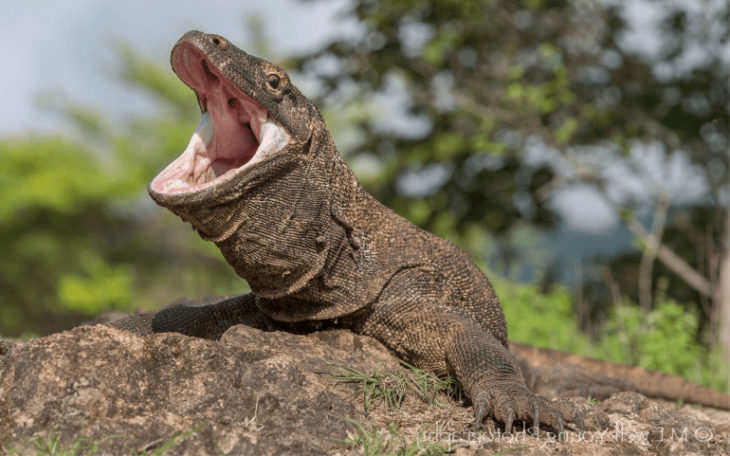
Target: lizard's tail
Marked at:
650, 383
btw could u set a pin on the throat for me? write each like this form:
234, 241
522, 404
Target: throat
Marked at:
276, 237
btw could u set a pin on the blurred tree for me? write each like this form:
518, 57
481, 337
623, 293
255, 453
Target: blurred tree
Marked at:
488, 111
78, 233
496, 107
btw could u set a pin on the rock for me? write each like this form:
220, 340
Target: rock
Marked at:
256, 392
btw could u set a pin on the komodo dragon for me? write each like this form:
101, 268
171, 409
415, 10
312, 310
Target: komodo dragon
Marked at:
262, 178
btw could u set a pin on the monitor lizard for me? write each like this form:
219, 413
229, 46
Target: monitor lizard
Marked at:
263, 180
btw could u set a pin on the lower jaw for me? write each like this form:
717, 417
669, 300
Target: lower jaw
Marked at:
182, 178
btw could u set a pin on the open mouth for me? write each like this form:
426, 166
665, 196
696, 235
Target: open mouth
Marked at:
234, 131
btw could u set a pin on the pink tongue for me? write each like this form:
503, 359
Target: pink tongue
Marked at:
234, 140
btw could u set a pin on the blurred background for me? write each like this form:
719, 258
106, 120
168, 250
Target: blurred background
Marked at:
578, 151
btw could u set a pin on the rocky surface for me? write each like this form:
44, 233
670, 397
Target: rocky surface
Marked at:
257, 392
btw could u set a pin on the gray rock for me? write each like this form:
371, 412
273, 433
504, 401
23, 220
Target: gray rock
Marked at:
256, 392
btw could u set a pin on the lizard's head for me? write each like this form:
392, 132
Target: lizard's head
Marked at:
251, 114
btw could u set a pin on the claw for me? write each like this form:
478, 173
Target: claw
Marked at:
523, 405
480, 412
578, 418
508, 422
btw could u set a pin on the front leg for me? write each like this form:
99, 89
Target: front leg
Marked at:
492, 379
412, 321
208, 318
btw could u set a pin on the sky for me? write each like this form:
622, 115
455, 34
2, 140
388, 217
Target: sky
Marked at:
69, 46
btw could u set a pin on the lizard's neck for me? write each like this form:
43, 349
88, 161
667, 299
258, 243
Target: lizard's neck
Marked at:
278, 232
300, 234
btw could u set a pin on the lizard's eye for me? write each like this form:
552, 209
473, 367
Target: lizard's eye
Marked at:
274, 81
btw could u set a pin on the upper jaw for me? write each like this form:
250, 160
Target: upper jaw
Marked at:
235, 131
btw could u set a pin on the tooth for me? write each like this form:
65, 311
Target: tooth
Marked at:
273, 138
175, 184
206, 129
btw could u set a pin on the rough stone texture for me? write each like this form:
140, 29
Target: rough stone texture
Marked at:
273, 393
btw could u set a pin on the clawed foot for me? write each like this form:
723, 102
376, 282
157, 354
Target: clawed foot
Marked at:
512, 401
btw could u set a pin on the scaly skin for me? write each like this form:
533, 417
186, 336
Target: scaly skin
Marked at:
315, 246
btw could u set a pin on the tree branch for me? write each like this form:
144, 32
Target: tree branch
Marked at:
670, 259
646, 267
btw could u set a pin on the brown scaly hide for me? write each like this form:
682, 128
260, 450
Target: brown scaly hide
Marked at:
314, 246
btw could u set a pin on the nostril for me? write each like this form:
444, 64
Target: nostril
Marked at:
216, 41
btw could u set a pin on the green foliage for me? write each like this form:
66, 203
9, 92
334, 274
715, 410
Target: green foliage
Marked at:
545, 320
101, 287
501, 86
56, 195
78, 233
42, 174
664, 340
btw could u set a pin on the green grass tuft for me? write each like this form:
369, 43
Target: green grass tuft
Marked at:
50, 444
389, 388
380, 387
